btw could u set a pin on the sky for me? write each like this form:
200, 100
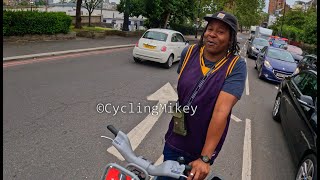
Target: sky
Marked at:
289, 2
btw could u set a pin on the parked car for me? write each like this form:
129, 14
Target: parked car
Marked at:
307, 62
275, 64
279, 43
255, 46
296, 52
296, 108
160, 45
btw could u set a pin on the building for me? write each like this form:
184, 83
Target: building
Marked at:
302, 5
275, 5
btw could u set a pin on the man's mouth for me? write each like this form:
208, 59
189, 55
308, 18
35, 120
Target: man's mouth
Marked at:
211, 43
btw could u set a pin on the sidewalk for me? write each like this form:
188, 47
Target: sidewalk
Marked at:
26, 50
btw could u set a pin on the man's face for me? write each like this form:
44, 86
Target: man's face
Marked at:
217, 37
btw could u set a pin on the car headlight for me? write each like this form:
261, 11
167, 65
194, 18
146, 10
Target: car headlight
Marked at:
267, 64
296, 71
252, 48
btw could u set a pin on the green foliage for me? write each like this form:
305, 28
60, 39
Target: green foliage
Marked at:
136, 7
158, 11
40, 3
24, 3
184, 29
18, 23
298, 26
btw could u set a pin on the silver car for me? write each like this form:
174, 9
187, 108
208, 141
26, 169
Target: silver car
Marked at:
255, 46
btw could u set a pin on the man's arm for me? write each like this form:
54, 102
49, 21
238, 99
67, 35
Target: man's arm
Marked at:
183, 55
218, 122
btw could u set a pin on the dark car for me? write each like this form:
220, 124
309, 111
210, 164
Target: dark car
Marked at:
307, 62
274, 64
296, 52
296, 108
255, 46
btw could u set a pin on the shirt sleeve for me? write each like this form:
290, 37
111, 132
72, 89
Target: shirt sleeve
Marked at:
183, 55
235, 82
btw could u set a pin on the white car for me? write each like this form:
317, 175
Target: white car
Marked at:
160, 45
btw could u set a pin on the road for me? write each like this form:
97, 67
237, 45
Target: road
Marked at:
51, 127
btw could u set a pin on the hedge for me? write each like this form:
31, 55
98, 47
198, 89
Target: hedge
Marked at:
184, 29
19, 23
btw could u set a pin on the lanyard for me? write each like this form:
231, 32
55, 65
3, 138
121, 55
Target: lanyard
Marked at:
201, 82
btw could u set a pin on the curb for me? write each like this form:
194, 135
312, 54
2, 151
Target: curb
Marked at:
31, 56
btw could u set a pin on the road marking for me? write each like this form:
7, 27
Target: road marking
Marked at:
163, 95
235, 118
247, 155
247, 85
59, 57
159, 161
31, 56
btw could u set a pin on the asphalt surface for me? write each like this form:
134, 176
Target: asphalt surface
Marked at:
52, 129
26, 48
11, 49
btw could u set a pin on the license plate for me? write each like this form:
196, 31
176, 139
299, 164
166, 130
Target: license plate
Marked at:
149, 46
281, 75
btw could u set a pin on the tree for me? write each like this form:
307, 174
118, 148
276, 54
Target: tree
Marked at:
298, 26
90, 5
130, 8
78, 14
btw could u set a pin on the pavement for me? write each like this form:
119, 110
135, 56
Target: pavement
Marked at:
30, 50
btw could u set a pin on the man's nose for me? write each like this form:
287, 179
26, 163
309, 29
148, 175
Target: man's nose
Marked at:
212, 34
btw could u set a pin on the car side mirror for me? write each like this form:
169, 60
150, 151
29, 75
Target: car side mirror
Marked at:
307, 101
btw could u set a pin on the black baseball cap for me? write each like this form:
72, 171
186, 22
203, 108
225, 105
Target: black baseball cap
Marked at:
225, 17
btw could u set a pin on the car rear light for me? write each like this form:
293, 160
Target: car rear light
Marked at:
137, 44
164, 48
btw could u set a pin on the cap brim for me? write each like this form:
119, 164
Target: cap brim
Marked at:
207, 18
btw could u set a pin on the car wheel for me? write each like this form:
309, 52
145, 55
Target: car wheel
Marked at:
307, 168
276, 108
136, 60
169, 62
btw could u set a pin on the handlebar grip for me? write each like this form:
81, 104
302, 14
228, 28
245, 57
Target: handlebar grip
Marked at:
187, 168
113, 129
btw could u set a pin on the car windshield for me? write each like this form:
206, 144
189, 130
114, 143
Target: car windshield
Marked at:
159, 36
278, 41
280, 54
295, 50
261, 42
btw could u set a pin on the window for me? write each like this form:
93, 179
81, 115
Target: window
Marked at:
155, 35
180, 38
280, 54
307, 84
174, 38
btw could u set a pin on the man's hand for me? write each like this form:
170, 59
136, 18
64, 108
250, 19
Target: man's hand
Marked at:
199, 171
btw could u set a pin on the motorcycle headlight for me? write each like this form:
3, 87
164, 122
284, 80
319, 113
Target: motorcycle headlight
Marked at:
267, 64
